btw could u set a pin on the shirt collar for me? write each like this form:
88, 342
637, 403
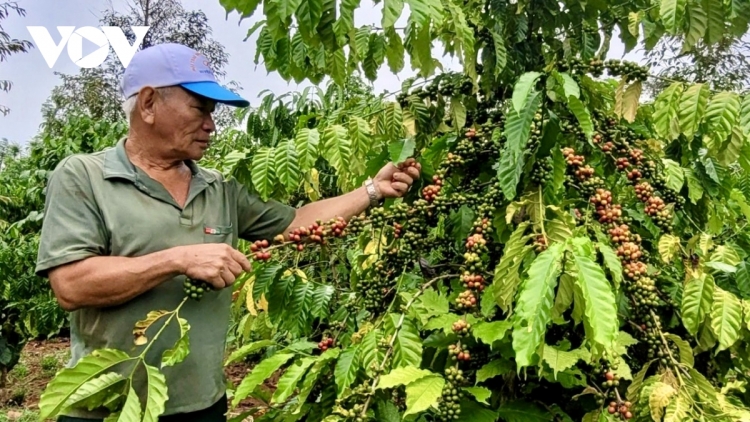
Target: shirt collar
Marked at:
117, 164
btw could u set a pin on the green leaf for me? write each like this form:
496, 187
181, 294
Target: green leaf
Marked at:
369, 352
94, 392
600, 304
181, 349
517, 130
432, 303
582, 115
697, 25
672, 13
337, 148
360, 135
695, 189
423, 393
692, 108
501, 52
401, 150
263, 176
493, 369
523, 89
458, 112
726, 318
407, 348
391, 12
715, 28
624, 340
696, 301
634, 388
308, 16
535, 304
337, 66
156, 394
386, 411
287, 166
665, 115
490, 332
288, 382
403, 376
612, 262
346, 368
721, 115
69, 380
570, 86
686, 352
745, 115
506, 278
394, 51
307, 141
481, 394
462, 222
245, 350
286, 8
131, 410
313, 374
472, 411
560, 360
523, 411
259, 373
674, 174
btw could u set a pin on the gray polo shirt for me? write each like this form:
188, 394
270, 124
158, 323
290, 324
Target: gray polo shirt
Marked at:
101, 204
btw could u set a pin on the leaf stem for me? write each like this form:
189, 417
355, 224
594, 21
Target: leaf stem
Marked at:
158, 333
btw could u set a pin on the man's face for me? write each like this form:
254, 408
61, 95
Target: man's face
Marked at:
184, 121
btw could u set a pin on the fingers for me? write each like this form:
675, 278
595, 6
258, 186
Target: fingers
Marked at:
403, 177
413, 172
228, 277
241, 259
400, 187
235, 268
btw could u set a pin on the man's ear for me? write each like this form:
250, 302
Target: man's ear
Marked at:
146, 106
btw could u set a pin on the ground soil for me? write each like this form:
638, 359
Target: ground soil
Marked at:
20, 397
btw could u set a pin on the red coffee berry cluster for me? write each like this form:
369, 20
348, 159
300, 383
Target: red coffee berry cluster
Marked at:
622, 163
654, 204
257, 248
637, 156
643, 191
476, 243
629, 251
473, 281
457, 353
397, 228
325, 344
608, 146
607, 212
634, 175
461, 327
318, 232
430, 192
623, 409
466, 300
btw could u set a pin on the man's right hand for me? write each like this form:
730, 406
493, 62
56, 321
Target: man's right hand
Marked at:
217, 264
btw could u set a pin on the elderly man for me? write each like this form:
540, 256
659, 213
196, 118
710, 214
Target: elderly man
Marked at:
124, 227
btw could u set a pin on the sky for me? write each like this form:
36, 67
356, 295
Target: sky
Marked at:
33, 80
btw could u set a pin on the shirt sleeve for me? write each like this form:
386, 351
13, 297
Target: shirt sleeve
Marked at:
258, 219
73, 228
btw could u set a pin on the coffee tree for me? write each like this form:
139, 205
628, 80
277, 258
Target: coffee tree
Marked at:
570, 253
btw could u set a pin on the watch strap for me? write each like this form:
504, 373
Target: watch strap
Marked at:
371, 192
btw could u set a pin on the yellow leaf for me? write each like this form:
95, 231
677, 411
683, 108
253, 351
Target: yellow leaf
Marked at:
263, 303
410, 123
372, 252
659, 399
249, 301
630, 101
139, 331
668, 246
301, 274
312, 185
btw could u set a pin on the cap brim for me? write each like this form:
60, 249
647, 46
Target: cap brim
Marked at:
216, 92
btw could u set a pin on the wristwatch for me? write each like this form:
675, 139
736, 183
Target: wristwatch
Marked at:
372, 192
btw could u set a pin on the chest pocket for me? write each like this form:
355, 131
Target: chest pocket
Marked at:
218, 233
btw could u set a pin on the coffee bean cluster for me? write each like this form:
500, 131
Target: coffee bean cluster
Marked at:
194, 289
541, 173
449, 408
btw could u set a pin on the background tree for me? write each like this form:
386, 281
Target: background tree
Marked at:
8, 45
96, 92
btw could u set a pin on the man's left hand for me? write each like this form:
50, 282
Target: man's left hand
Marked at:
394, 181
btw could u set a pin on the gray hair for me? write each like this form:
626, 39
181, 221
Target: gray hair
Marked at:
128, 106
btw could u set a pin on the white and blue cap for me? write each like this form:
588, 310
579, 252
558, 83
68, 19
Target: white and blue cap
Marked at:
171, 64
